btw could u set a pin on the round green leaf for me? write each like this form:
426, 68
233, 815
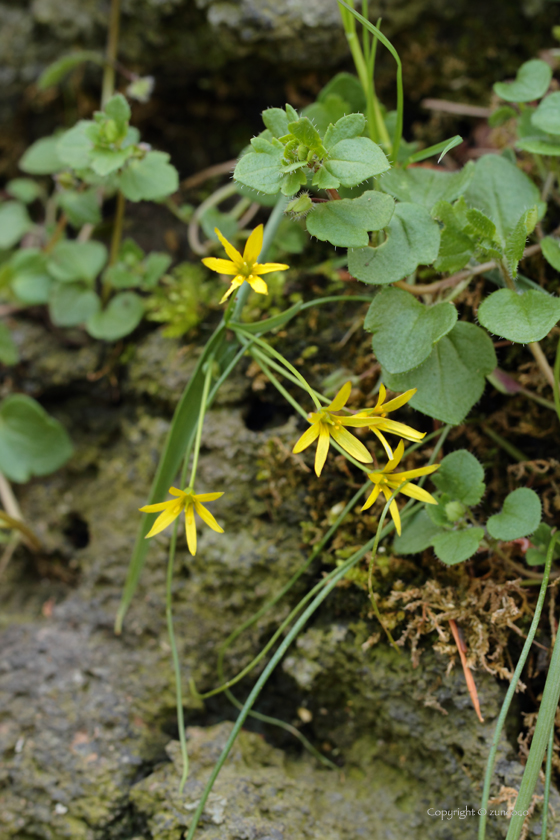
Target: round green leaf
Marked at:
24, 189
31, 442
121, 317
417, 535
405, 330
71, 304
149, 179
531, 82
521, 318
502, 192
353, 161
72, 260
454, 547
461, 476
14, 223
31, 282
74, 146
80, 207
412, 240
426, 186
452, 378
41, 158
346, 222
539, 147
261, 170
519, 517
547, 115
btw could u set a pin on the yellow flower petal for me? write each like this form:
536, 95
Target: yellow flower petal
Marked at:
351, 444
235, 284
322, 448
420, 471
174, 491
207, 497
266, 268
383, 440
382, 395
393, 509
392, 405
341, 398
307, 438
165, 519
253, 246
207, 517
221, 266
407, 432
394, 461
232, 253
418, 493
257, 284
190, 528
158, 507
372, 498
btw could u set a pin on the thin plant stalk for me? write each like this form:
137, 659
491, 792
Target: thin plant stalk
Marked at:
547, 781
510, 693
108, 85
203, 401
556, 383
300, 623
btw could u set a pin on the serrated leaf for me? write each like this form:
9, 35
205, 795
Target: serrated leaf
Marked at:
71, 304
456, 247
480, 225
501, 191
517, 239
551, 251
31, 442
346, 222
327, 112
324, 180
519, 516
41, 158
531, 82
405, 330
74, 146
547, 115
150, 179
56, 71
292, 181
454, 547
412, 240
461, 477
14, 223
353, 161
120, 318
276, 120
9, 354
72, 260
452, 378
80, 207
24, 189
541, 540
437, 513
417, 534
304, 130
427, 186
350, 126
261, 170
520, 318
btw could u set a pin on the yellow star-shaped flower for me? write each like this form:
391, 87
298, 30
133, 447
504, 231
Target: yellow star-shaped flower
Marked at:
386, 482
189, 502
325, 424
375, 419
244, 267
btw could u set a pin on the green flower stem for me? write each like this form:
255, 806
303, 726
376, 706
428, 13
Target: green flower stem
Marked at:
275, 354
277, 597
203, 401
547, 781
108, 85
115, 242
175, 656
545, 723
338, 575
257, 355
556, 388
509, 697
508, 447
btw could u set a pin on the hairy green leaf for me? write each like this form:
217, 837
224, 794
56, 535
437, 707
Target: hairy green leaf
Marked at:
547, 115
71, 304
41, 158
261, 170
519, 516
353, 161
31, 442
531, 82
427, 186
120, 318
452, 378
150, 179
405, 330
345, 129
412, 239
551, 251
521, 318
417, 534
461, 476
346, 222
72, 260
454, 547
80, 207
